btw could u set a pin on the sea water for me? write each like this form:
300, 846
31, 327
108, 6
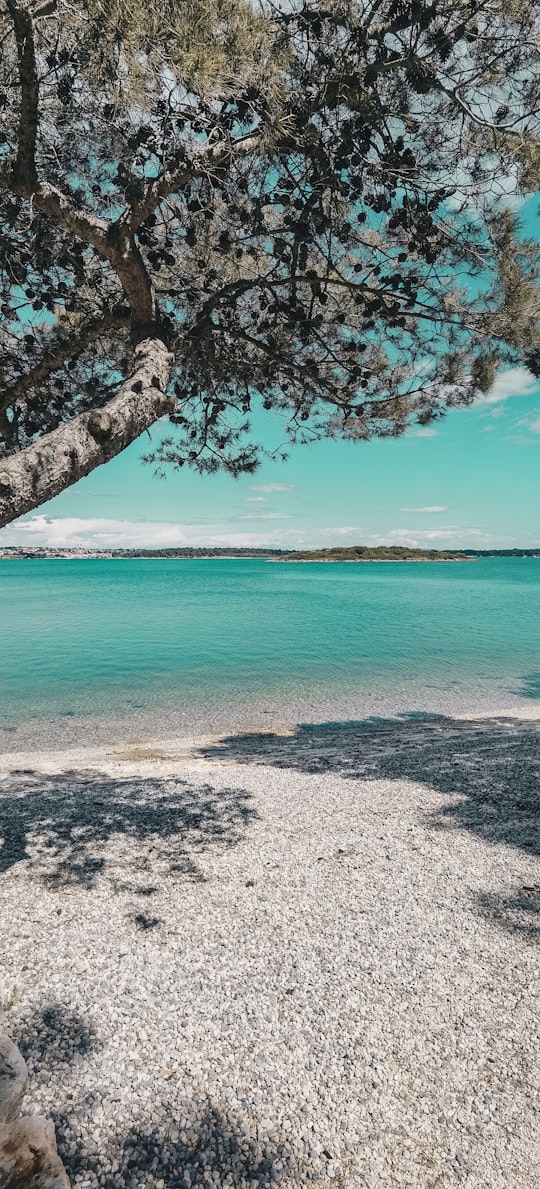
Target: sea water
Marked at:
117, 638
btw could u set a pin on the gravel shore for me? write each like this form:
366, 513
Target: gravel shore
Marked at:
281, 958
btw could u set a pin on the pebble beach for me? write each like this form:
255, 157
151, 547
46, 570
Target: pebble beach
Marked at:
300, 956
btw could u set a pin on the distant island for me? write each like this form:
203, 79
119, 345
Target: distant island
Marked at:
364, 553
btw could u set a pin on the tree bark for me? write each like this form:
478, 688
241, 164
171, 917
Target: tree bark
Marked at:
60, 458
25, 164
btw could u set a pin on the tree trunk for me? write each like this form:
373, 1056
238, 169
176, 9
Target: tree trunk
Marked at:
60, 458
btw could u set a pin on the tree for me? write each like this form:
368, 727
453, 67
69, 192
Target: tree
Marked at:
206, 205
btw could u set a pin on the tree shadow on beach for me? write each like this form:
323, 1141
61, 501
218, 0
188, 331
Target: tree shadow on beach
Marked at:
53, 1038
60, 827
195, 1135
517, 913
210, 1144
489, 767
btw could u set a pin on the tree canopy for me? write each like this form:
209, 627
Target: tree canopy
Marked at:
207, 205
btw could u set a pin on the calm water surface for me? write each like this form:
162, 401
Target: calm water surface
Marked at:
120, 637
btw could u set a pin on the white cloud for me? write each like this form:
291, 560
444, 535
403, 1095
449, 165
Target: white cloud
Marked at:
516, 381
413, 537
99, 533
424, 433
255, 499
428, 508
432, 538
344, 530
95, 532
531, 423
268, 488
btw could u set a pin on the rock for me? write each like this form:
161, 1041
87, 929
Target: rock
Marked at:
13, 1079
28, 1156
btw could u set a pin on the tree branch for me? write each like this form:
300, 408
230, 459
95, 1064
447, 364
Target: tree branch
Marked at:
182, 170
62, 457
509, 129
25, 165
69, 347
112, 241
59, 207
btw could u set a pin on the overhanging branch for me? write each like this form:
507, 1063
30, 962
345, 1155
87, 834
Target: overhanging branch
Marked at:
60, 458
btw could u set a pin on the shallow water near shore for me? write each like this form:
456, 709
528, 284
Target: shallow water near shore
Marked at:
171, 645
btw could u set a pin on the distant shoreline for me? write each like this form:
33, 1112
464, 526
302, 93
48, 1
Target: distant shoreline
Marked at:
139, 557
366, 561
326, 556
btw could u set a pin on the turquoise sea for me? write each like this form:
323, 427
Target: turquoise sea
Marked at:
219, 640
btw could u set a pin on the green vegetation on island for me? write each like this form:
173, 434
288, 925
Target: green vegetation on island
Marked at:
379, 553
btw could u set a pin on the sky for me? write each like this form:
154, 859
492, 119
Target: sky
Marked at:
470, 480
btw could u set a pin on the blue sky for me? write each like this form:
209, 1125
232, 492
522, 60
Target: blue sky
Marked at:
472, 479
